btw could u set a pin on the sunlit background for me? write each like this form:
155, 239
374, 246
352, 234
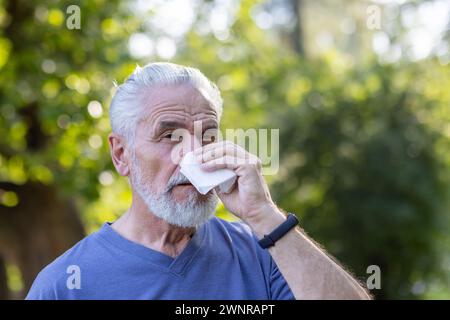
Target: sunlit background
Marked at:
359, 91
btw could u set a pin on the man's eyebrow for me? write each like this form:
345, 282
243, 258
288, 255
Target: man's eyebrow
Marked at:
211, 125
171, 125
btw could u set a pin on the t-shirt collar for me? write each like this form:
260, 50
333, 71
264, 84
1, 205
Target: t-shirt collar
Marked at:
176, 265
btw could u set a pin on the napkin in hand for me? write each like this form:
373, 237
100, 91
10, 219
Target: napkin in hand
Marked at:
204, 181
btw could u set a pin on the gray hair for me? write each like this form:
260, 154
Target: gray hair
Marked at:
125, 111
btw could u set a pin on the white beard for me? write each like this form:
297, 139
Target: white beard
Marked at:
192, 212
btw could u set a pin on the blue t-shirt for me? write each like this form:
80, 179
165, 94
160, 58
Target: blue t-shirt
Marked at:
222, 261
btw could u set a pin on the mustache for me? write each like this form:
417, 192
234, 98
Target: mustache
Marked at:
176, 180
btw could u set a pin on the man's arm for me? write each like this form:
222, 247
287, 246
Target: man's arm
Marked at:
308, 270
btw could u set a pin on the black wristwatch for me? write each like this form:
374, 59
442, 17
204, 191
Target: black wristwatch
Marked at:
270, 239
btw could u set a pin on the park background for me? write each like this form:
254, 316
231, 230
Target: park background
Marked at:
360, 91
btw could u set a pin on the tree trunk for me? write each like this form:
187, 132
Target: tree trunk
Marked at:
3, 280
36, 231
297, 32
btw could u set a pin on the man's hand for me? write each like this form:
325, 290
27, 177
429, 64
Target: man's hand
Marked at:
250, 199
308, 270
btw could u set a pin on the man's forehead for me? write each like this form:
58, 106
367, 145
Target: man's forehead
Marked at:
182, 95
175, 106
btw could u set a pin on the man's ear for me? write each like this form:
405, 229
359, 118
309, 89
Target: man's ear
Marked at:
119, 154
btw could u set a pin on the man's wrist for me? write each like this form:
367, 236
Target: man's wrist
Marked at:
269, 218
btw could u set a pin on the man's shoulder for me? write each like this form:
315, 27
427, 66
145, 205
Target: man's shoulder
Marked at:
53, 277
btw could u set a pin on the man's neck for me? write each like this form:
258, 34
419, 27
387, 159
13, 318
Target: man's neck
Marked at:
139, 225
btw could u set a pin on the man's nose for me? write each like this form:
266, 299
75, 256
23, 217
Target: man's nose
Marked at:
189, 142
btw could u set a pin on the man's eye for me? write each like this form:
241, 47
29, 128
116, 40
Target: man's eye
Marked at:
209, 140
209, 137
173, 137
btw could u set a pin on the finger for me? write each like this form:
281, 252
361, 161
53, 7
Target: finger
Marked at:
226, 162
209, 147
221, 149
212, 146
227, 150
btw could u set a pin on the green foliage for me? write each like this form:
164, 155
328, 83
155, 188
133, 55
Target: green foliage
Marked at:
363, 167
52, 74
364, 148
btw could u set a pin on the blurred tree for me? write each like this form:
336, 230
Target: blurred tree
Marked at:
297, 32
52, 84
3, 280
364, 146
361, 166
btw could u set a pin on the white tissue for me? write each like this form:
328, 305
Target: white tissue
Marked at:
204, 181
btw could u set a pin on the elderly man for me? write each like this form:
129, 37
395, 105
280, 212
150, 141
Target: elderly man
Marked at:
168, 245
